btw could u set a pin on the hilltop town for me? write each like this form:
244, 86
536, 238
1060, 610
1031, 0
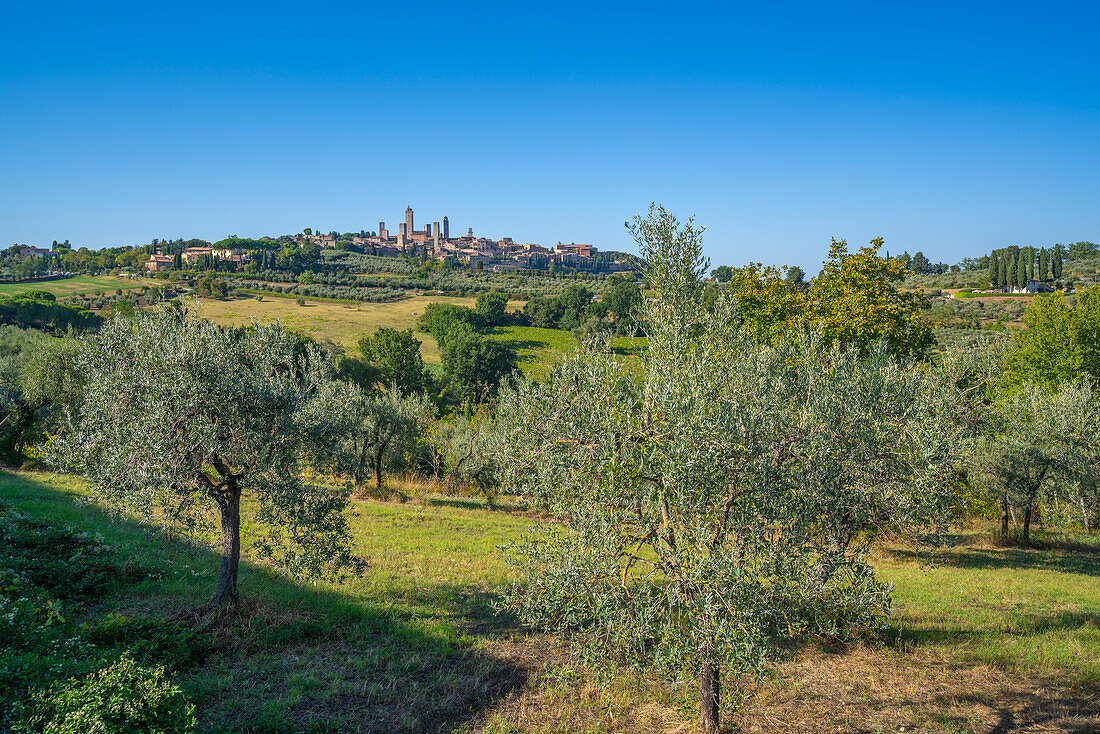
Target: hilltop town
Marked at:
434, 241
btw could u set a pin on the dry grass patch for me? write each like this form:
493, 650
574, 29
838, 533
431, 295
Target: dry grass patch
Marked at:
562, 696
883, 690
340, 323
858, 689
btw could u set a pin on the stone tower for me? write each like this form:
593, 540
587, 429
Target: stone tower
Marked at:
446, 229
409, 229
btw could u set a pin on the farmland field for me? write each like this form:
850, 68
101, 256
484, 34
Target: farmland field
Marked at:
983, 639
341, 323
536, 348
70, 286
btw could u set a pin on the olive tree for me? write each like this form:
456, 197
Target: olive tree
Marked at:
706, 496
180, 418
1042, 446
376, 425
875, 440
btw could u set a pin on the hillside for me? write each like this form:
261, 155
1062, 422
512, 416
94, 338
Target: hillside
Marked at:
989, 636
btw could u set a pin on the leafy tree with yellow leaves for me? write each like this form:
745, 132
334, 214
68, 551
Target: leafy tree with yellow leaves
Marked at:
854, 302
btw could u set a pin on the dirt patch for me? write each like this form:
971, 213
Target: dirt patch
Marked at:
859, 689
865, 690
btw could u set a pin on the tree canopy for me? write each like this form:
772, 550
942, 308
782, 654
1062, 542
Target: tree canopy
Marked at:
179, 417
853, 301
475, 364
707, 500
1060, 343
395, 357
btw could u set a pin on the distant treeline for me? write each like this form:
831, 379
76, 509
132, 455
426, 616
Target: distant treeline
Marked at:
920, 264
1064, 253
1015, 266
40, 310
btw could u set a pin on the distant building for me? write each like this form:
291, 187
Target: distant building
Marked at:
1036, 286
30, 251
435, 241
573, 250
158, 262
191, 255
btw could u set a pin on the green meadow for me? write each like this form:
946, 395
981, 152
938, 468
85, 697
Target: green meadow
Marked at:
981, 636
87, 284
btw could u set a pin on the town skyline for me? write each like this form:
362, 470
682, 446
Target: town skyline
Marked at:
434, 241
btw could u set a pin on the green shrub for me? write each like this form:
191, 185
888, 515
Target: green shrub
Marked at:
47, 574
149, 640
119, 699
75, 567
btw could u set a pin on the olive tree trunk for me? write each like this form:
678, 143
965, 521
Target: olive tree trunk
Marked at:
378, 466
230, 506
709, 693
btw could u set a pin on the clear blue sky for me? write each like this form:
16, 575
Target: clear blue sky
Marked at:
949, 128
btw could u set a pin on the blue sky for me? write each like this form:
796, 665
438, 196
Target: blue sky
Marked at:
949, 128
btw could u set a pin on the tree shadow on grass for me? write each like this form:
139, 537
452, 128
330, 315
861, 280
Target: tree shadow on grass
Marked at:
1024, 706
1024, 625
476, 504
1074, 712
526, 350
291, 657
630, 350
860, 689
1087, 564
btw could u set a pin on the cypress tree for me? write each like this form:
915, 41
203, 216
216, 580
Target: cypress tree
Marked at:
1002, 276
994, 268
1021, 270
1056, 260
1044, 264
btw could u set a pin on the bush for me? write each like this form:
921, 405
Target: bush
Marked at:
150, 641
48, 574
120, 698
74, 567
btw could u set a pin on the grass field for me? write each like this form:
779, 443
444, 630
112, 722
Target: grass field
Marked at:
987, 639
76, 284
536, 348
341, 323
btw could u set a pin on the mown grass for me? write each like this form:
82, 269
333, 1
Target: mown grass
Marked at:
393, 650
536, 348
88, 284
1026, 611
986, 637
